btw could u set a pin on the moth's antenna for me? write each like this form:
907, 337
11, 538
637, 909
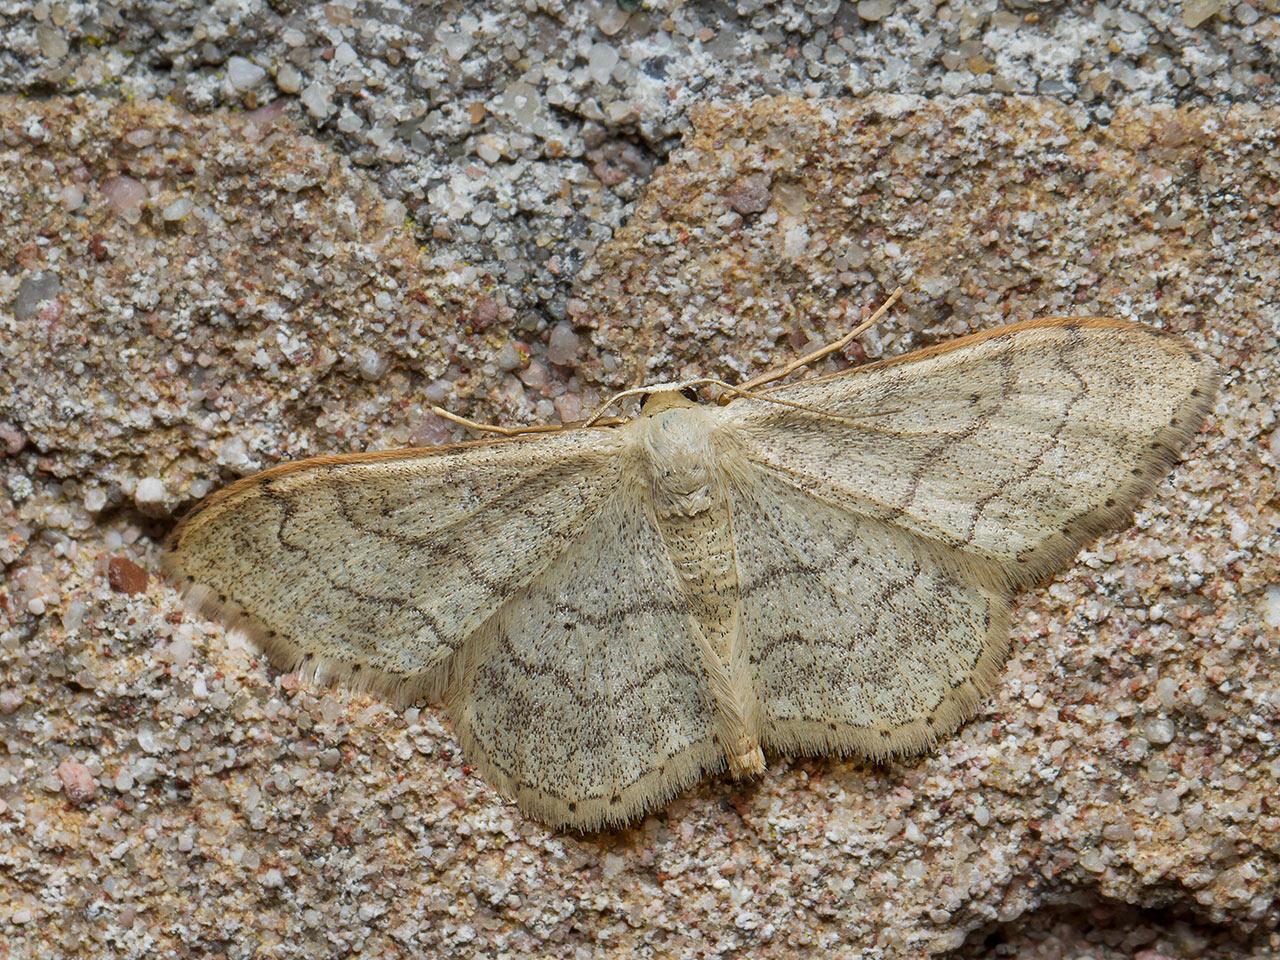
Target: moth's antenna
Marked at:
821, 352
590, 421
518, 431
739, 391
744, 392
494, 428
764, 378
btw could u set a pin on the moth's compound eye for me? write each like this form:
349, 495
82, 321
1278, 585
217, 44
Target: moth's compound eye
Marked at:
644, 400
690, 394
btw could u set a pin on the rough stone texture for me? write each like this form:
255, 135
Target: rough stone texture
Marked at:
551, 99
1115, 795
513, 209
987, 211
183, 285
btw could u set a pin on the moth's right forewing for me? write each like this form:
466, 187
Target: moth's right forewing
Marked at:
880, 532
1011, 449
375, 569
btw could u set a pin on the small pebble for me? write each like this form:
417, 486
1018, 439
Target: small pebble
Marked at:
457, 43
316, 99
489, 149
344, 55
508, 358
125, 576
601, 60
534, 375
53, 43
1092, 861
874, 10
611, 18
33, 293
487, 311
1159, 730
177, 210
73, 615
77, 782
244, 74
149, 494
1166, 691
12, 440
330, 758
1196, 12
124, 193
1271, 605
234, 452
1117, 832
568, 407
372, 364
750, 194
288, 79
148, 740
563, 345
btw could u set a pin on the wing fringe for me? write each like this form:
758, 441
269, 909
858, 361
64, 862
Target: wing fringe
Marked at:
1163, 452
653, 791
288, 657
881, 742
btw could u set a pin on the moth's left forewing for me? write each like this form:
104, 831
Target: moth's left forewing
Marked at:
1010, 448
375, 569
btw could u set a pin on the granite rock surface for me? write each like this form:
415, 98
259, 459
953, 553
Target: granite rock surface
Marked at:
496, 122
188, 295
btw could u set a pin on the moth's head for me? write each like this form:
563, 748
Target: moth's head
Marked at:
666, 396
657, 397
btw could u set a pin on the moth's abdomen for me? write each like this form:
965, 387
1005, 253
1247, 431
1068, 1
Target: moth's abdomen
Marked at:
701, 549
693, 515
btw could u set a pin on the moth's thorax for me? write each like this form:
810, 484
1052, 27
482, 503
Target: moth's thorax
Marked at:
677, 442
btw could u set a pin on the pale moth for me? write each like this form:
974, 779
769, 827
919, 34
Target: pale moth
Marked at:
613, 611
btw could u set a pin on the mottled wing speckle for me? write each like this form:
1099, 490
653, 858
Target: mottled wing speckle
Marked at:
587, 699
881, 534
861, 637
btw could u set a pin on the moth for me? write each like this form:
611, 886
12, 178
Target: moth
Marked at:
611, 612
